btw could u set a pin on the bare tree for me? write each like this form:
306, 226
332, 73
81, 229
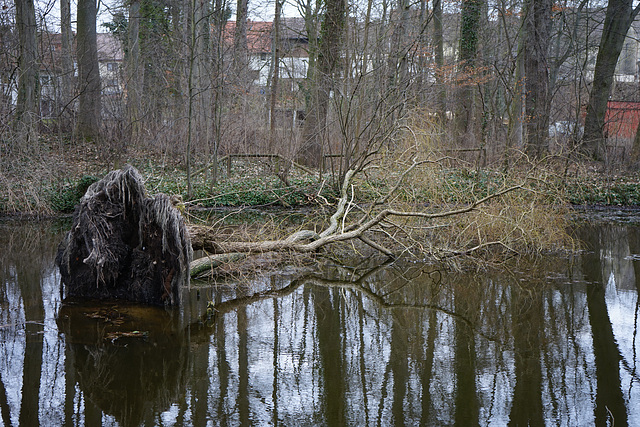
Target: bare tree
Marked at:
240, 48
619, 16
321, 75
66, 60
135, 73
26, 117
90, 106
275, 73
219, 12
438, 41
536, 68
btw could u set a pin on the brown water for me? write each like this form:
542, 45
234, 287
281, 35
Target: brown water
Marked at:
547, 341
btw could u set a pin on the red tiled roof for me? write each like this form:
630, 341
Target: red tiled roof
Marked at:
258, 35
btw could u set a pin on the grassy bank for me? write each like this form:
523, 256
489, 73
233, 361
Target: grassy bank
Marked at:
46, 192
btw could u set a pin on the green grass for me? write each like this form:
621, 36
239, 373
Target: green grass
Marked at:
251, 187
63, 198
614, 192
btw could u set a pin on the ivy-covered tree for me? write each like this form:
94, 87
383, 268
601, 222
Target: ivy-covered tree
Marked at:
467, 59
321, 79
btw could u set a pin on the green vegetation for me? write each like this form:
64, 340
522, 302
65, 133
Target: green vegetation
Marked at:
605, 191
65, 197
251, 184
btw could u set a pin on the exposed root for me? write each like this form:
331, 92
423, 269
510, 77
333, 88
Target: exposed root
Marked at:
125, 245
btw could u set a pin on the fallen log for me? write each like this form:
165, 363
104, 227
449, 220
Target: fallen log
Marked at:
126, 245
204, 265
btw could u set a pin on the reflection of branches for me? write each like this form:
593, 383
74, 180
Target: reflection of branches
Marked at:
631, 370
358, 285
27, 322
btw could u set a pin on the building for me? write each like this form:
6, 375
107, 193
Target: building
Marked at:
294, 55
52, 103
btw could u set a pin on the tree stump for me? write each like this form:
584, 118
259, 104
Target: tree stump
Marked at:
125, 245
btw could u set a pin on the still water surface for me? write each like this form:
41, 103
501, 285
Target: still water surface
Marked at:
547, 341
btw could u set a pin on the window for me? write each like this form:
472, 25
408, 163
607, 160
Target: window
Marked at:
111, 87
112, 67
45, 80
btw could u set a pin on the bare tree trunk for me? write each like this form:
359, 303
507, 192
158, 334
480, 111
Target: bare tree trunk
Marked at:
516, 117
26, 117
89, 108
322, 81
620, 14
275, 75
398, 63
217, 82
66, 62
199, 87
438, 40
537, 102
135, 73
240, 48
191, 92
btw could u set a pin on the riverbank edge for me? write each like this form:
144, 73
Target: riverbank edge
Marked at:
263, 191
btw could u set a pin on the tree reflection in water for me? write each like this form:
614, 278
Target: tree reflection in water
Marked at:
129, 361
549, 340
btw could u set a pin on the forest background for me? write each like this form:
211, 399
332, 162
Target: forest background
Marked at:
223, 107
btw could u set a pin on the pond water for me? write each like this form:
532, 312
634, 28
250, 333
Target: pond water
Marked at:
551, 340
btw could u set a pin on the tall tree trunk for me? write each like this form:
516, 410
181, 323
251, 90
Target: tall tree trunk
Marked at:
26, 118
240, 48
199, 88
537, 101
468, 49
275, 69
397, 62
135, 73
89, 108
217, 83
322, 81
620, 14
438, 41
516, 117
66, 62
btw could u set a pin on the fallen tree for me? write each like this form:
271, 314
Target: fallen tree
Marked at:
124, 244
386, 228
